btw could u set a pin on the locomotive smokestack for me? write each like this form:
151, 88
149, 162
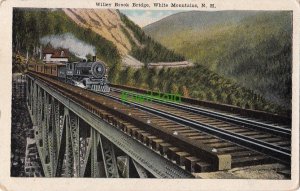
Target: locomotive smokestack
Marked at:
94, 58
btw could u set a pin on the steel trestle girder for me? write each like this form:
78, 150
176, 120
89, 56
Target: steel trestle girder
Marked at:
103, 138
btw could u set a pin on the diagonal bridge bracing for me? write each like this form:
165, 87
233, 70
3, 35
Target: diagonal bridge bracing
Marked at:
73, 142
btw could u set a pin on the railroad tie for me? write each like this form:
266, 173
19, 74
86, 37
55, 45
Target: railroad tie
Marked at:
122, 126
143, 137
196, 165
203, 167
163, 147
138, 134
220, 145
190, 163
132, 131
230, 149
180, 157
191, 134
155, 144
110, 118
200, 137
149, 140
185, 131
171, 151
126, 127
119, 123
169, 125
211, 141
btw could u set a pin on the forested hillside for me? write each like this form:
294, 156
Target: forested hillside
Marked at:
149, 50
195, 82
32, 25
252, 49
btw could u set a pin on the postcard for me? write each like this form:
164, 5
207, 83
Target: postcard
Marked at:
149, 95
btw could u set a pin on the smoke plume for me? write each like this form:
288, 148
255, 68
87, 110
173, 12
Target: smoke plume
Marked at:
68, 41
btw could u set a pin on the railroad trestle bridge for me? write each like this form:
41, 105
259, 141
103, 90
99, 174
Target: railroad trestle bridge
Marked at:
82, 133
74, 142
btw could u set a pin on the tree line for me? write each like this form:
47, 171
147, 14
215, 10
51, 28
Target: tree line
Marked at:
195, 82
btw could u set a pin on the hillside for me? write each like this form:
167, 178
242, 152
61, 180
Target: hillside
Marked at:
106, 23
81, 31
31, 25
193, 20
109, 33
251, 48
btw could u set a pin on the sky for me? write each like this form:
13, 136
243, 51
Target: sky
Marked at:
145, 17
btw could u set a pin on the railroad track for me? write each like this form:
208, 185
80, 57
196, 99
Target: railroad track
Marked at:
255, 115
272, 143
193, 149
276, 129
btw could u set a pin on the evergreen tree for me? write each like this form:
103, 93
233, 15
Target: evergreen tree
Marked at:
138, 77
114, 73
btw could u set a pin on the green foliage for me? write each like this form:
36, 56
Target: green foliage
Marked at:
138, 77
29, 25
200, 83
150, 51
126, 76
18, 64
114, 73
254, 51
127, 34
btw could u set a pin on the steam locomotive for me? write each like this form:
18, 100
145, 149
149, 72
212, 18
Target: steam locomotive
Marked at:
87, 74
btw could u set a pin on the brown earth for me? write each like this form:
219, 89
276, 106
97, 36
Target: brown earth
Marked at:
106, 23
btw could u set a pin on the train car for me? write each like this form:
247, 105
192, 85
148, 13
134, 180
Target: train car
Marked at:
53, 69
48, 69
91, 75
40, 68
32, 67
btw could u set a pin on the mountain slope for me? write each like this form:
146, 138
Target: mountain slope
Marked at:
106, 23
111, 33
193, 20
253, 49
31, 25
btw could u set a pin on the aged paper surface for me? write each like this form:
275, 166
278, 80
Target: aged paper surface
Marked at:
157, 11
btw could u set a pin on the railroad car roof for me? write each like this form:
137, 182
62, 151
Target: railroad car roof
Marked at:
54, 64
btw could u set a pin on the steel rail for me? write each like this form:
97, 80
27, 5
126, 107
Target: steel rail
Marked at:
280, 153
284, 132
